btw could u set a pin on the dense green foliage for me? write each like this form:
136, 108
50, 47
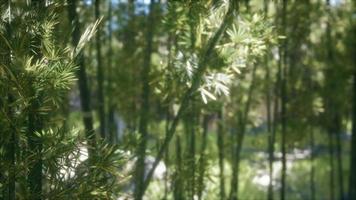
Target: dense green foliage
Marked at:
213, 99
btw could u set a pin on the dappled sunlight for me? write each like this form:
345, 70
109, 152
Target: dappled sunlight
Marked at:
178, 100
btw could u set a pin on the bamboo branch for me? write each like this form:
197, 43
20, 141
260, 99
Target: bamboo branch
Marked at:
202, 66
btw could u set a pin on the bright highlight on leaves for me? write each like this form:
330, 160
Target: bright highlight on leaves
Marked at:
244, 41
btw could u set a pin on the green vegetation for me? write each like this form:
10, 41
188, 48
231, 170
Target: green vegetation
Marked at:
188, 99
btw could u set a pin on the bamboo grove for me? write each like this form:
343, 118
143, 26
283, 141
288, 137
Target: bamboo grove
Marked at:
188, 99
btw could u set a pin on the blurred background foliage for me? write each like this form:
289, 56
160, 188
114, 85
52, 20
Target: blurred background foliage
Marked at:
160, 99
